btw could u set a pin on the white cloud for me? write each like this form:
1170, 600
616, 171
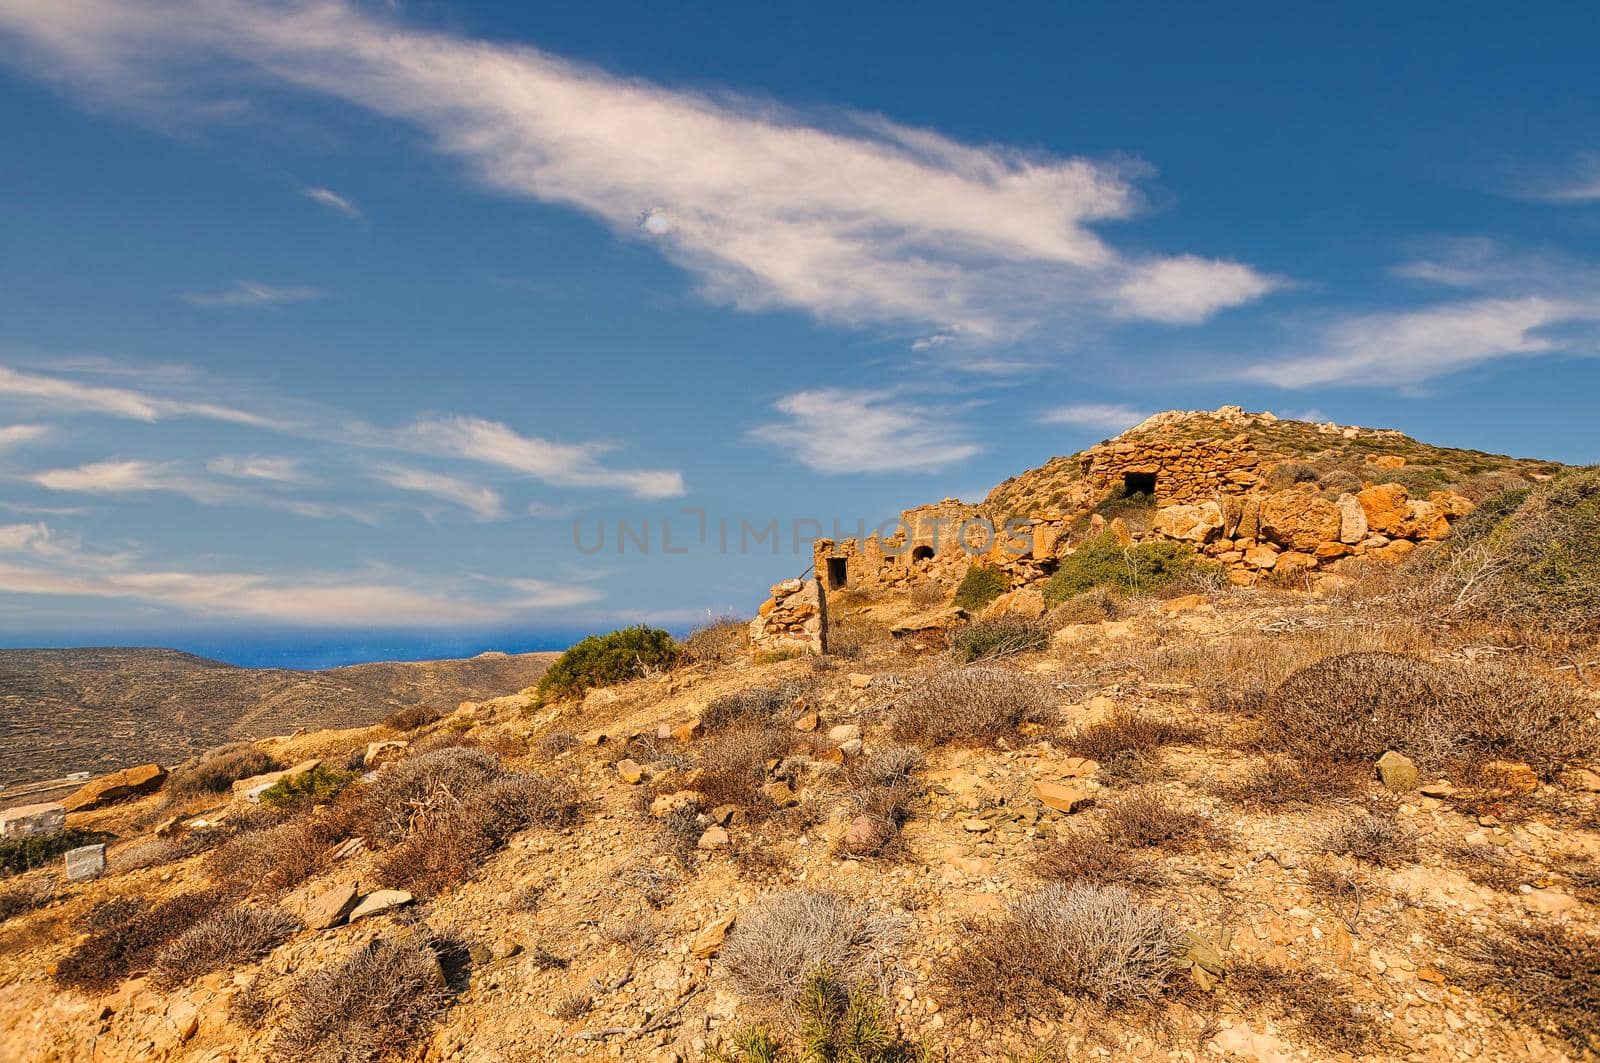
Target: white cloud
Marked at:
33, 561
119, 477
1187, 289
1100, 416
834, 430
1407, 347
327, 197
1580, 185
15, 435
561, 464
851, 218
255, 467
62, 393
484, 502
253, 294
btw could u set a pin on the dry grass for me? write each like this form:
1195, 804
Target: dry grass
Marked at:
719, 641
778, 943
1374, 839
733, 762
1124, 732
1542, 974
1488, 866
763, 705
1094, 942
1089, 607
268, 861
26, 898
1149, 820
1090, 856
449, 844
216, 770
555, 743
1284, 782
976, 703
571, 1006
998, 638
412, 717
1315, 1006
1353, 707
125, 935
231, 937
881, 788
376, 1004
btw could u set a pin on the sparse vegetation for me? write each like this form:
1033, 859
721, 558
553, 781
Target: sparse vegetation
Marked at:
833, 1022
1082, 940
760, 705
126, 934
1089, 607
1375, 839
1002, 636
980, 586
602, 660
412, 717
783, 940
880, 790
733, 762
375, 1004
1542, 974
37, 850
317, 786
233, 936
22, 899
718, 641
1124, 732
1103, 561
1314, 1005
973, 703
215, 770
1149, 820
1090, 856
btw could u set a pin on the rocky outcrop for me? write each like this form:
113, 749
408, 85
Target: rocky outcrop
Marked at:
118, 786
793, 620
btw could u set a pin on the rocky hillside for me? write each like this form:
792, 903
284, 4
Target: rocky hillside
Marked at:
1336, 458
99, 709
1244, 825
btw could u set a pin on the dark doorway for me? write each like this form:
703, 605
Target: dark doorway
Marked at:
1138, 483
838, 573
921, 553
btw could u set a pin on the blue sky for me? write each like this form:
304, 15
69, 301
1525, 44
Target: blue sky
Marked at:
322, 324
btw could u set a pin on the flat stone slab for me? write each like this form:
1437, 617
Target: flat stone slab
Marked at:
25, 821
118, 786
379, 901
86, 863
332, 907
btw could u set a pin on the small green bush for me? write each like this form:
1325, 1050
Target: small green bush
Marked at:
601, 660
980, 586
315, 787
25, 854
1105, 562
833, 1022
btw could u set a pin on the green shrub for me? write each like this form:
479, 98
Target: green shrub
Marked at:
1105, 562
315, 787
833, 1022
979, 587
601, 660
24, 854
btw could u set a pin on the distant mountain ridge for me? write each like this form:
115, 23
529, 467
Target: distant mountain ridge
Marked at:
100, 708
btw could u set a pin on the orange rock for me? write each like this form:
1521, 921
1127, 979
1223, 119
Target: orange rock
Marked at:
1062, 797
118, 786
1385, 507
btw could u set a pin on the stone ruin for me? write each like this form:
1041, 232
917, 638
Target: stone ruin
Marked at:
1210, 491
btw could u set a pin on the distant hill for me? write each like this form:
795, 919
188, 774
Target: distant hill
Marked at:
97, 709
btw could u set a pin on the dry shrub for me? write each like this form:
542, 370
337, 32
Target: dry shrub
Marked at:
1355, 706
571, 1006
556, 743
1090, 607
377, 1003
1488, 865
928, 594
999, 637
752, 705
1092, 857
216, 770
412, 717
250, 1008
126, 933
154, 852
528, 899
733, 762
852, 635
1148, 820
450, 843
26, 898
971, 704
1082, 940
1314, 1005
1285, 781
678, 834
234, 936
276, 858
384, 809
780, 942
1583, 877
719, 641
638, 936
1543, 974
882, 788
1375, 839
1125, 732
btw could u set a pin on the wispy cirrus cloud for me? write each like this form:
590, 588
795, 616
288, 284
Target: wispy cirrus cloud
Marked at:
16, 435
836, 430
1100, 416
256, 467
484, 502
249, 294
852, 218
327, 197
59, 392
561, 464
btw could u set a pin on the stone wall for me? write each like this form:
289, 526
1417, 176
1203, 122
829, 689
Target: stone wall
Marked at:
793, 620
